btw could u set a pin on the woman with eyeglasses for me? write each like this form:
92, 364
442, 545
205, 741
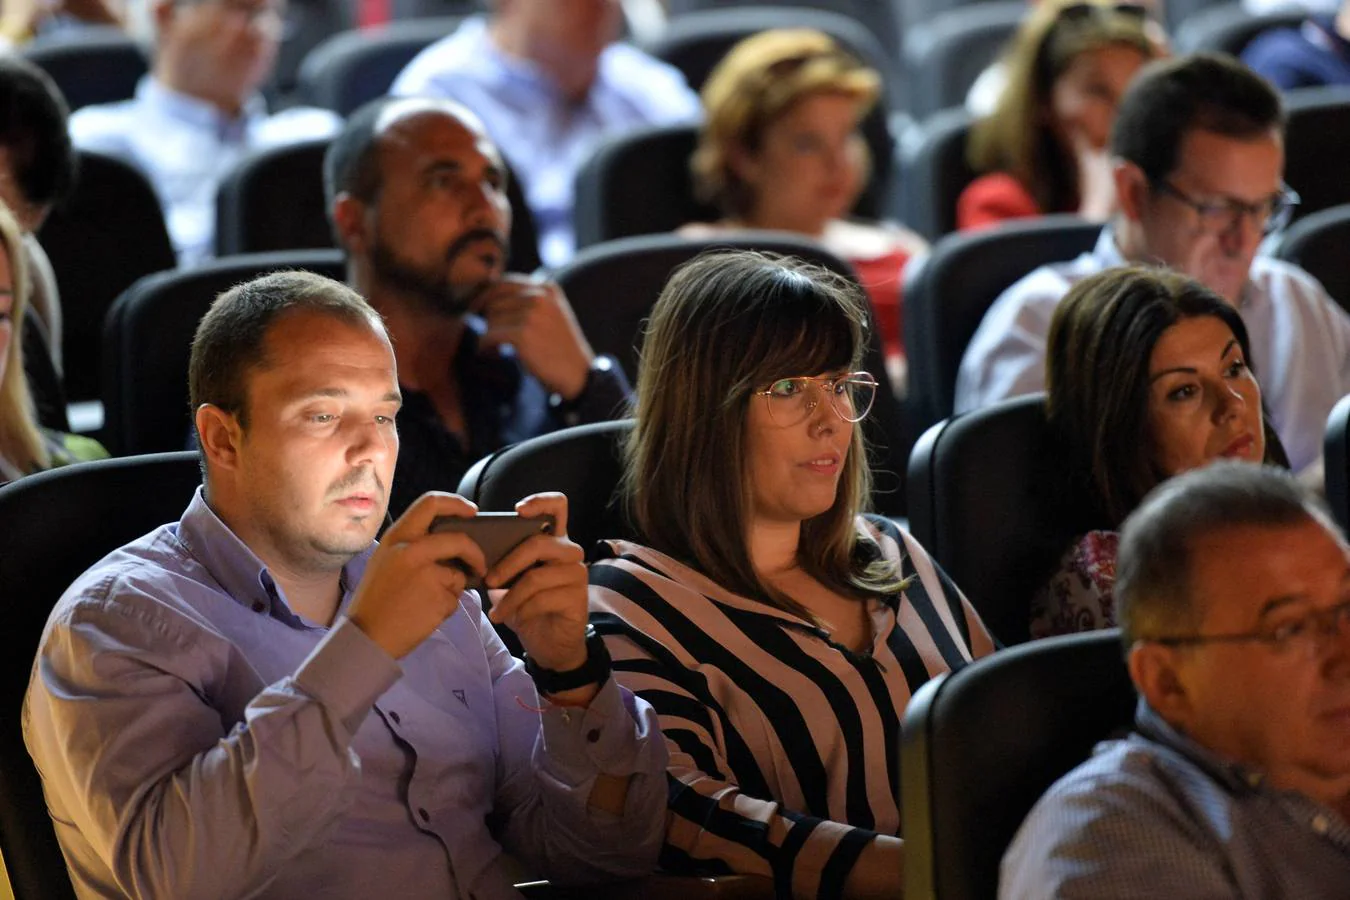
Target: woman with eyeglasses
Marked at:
1043, 149
780, 149
778, 632
1148, 375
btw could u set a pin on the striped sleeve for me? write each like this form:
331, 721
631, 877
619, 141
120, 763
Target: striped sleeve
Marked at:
714, 825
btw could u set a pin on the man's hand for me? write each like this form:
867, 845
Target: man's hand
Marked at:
407, 591
546, 607
533, 316
1096, 178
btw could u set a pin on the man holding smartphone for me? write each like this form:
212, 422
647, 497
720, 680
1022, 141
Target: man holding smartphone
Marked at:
260, 701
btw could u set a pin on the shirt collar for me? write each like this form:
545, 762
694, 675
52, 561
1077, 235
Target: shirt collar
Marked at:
197, 112
1237, 778
238, 571
516, 70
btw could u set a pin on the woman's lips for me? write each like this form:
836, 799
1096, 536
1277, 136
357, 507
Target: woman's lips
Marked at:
823, 465
1240, 447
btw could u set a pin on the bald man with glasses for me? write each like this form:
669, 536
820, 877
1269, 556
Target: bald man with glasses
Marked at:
1199, 165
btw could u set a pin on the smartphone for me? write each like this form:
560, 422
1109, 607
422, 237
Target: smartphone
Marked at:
495, 533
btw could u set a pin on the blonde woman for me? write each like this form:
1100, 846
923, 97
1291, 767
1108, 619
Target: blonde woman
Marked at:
24, 446
777, 631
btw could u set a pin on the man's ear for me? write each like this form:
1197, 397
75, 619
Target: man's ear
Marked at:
219, 435
1153, 670
162, 11
1132, 189
349, 221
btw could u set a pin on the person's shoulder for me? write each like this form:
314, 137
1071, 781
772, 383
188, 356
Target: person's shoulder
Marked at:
104, 127
1279, 47
298, 123
1281, 282
993, 198
655, 85
455, 56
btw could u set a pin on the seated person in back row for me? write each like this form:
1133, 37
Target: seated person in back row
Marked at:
1234, 591
550, 83
1199, 165
1148, 376
259, 701
777, 631
1314, 54
417, 195
199, 112
780, 149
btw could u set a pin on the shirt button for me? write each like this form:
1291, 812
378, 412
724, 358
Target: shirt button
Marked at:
394, 716
422, 811
593, 735
1320, 824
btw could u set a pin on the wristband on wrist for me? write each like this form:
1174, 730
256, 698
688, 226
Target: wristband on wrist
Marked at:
594, 670
601, 366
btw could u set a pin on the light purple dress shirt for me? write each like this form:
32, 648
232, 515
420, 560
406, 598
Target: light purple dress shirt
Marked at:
197, 738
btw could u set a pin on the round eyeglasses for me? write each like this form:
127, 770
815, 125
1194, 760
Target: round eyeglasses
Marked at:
1221, 216
791, 401
1305, 636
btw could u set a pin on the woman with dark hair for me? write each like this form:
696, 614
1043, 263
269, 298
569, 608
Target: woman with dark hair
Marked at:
1044, 147
1148, 375
777, 631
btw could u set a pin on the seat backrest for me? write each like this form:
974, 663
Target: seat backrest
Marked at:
109, 233
1319, 124
934, 171
1337, 460
1228, 28
948, 292
350, 69
613, 286
1316, 244
868, 28
91, 65
273, 199
584, 463
945, 55
992, 498
306, 25
979, 746
148, 339
56, 525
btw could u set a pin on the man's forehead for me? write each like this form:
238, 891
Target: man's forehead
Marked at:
1225, 163
415, 121
1255, 565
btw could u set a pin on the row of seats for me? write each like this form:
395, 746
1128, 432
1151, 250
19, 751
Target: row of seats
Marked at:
1049, 701
940, 58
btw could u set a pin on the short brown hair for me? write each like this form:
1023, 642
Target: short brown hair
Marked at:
230, 342
754, 84
1016, 137
727, 324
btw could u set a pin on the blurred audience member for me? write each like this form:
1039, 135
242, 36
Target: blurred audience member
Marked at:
549, 83
778, 633
1149, 375
1315, 53
25, 447
1044, 147
37, 171
780, 150
417, 195
1234, 590
199, 111
22, 20
1199, 163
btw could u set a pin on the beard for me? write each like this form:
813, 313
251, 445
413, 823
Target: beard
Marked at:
434, 285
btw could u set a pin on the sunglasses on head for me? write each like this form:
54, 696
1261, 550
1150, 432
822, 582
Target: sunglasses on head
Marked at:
1080, 12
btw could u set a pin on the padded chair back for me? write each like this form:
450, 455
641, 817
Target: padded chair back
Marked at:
979, 747
584, 462
1337, 452
934, 171
991, 497
1316, 244
700, 32
308, 23
945, 55
613, 286
1228, 28
148, 338
56, 525
108, 234
350, 69
948, 292
1318, 126
91, 65
273, 199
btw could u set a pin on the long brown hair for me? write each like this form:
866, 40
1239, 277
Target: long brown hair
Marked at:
20, 439
1017, 136
727, 324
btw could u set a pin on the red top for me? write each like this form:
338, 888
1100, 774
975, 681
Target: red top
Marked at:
991, 199
880, 277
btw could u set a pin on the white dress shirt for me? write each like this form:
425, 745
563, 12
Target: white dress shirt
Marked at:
1300, 342
544, 136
